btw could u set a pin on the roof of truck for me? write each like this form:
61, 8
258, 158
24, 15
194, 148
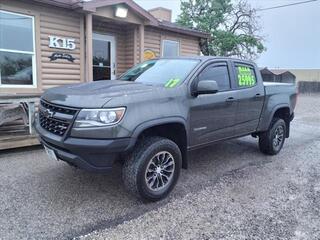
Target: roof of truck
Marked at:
205, 58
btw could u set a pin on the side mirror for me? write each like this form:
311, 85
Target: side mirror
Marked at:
207, 87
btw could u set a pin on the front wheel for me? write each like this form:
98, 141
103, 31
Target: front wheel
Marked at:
153, 168
271, 141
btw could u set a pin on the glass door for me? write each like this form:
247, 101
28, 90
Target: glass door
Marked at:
103, 57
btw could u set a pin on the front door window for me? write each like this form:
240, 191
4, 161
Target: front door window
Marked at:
103, 57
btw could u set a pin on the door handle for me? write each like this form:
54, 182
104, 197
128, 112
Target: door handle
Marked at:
257, 95
231, 99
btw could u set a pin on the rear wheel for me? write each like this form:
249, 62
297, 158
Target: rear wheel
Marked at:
271, 141
153, 168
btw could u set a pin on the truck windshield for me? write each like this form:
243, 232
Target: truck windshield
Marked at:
165, 72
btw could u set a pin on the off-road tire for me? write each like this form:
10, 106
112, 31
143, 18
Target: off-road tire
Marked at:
135, 165
266, 144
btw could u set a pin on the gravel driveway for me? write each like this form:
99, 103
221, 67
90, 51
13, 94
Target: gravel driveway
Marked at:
230, 191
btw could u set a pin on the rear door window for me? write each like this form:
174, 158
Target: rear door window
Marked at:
246, 76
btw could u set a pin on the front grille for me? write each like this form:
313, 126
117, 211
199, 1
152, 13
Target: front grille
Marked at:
52, 125
56, 108
55, 119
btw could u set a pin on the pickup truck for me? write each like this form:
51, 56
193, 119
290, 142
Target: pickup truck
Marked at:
157, 112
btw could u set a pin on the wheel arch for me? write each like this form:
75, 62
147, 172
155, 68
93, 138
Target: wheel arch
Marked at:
173, 128
281, 111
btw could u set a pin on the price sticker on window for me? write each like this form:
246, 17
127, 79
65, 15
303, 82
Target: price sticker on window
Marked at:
172, 83
246, 77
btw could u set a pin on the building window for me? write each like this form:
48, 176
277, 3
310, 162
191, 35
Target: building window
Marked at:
17, 50
170, 48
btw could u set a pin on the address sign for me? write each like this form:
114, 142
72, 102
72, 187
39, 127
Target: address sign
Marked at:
62, 43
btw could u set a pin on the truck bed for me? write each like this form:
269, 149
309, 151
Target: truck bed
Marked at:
272, 88
277, 95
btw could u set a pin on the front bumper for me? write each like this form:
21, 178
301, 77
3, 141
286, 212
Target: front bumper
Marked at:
96, 155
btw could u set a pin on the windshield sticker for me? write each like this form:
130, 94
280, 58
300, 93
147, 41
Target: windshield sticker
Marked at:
246, 77
172, 83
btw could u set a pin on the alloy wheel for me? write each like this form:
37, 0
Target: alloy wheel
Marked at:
160, 171
278, 137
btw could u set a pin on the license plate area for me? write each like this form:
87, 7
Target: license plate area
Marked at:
51, 154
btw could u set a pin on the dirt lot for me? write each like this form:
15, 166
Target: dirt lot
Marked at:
230, 191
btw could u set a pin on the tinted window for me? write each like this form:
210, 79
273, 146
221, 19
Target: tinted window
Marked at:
220, 74
246, 76
101, 53
101, 59
170, 48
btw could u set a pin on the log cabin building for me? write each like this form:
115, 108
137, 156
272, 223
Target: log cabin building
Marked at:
48, 43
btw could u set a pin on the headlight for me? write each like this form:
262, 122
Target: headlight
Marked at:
99, 117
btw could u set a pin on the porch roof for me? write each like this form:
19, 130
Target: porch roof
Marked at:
92, 5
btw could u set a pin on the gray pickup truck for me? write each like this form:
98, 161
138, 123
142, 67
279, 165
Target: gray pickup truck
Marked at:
158, 111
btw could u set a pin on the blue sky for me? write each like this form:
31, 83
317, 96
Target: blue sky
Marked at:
292, 34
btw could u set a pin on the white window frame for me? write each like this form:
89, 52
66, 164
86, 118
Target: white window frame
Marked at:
33, 54
167, 40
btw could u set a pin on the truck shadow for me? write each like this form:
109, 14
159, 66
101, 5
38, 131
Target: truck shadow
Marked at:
78, 202
203, 163
108, 193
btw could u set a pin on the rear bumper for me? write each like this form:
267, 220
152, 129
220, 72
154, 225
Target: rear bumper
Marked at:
96, 155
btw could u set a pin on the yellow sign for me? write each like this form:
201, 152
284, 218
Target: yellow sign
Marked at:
149, 54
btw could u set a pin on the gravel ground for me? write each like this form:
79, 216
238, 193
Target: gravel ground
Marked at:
230, 191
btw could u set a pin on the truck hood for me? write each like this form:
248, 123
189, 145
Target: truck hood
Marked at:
94, 94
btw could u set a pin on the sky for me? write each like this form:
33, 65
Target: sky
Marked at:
292, 34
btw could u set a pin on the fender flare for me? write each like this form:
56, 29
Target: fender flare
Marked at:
270, 116
155, 122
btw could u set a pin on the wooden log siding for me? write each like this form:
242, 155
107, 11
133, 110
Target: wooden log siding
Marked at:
126, 52
152, 40
57, 22
69, 24
59, 72
130, 54
189, 45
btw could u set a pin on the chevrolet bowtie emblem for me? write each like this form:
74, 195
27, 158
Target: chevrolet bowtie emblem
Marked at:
48, 113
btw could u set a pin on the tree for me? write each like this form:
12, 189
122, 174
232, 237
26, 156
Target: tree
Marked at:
233, 27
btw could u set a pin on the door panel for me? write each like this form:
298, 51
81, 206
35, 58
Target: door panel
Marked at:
212, 116
250, 102
249, 110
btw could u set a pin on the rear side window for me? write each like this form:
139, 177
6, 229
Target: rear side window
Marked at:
218, 73
246, 76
